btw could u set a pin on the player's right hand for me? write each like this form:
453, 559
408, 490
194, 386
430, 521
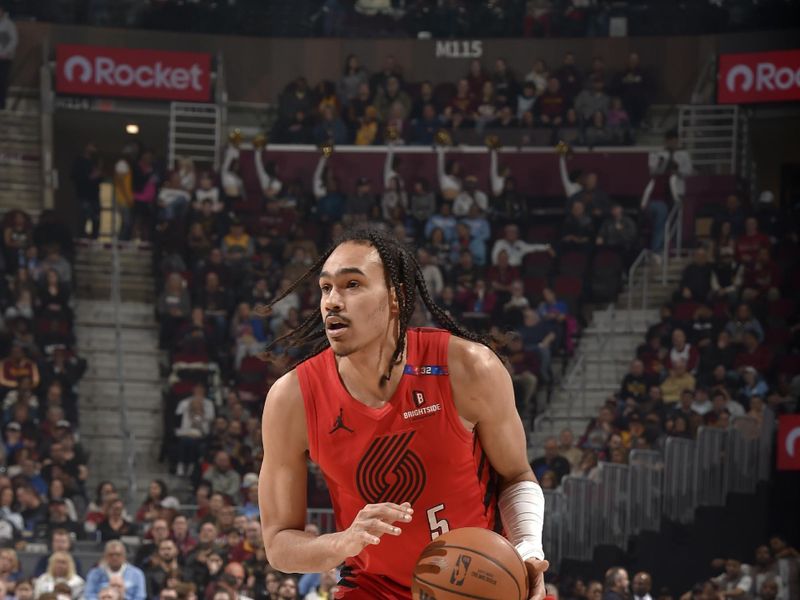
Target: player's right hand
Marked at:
373, 522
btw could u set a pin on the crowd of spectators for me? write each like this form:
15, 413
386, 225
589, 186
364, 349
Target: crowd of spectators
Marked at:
773, 575
43, 470
413, 18
594, 106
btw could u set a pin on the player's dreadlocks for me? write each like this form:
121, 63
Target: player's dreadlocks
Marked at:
403, 274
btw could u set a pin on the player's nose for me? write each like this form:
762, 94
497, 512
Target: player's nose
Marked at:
333, 301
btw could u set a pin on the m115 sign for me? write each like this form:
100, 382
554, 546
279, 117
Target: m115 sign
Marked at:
759, 77
153, 74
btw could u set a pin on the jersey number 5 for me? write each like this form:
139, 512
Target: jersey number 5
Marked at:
438, 526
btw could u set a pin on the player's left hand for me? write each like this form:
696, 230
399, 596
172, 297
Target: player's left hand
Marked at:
536, 569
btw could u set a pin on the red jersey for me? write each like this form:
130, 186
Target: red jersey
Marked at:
413, 449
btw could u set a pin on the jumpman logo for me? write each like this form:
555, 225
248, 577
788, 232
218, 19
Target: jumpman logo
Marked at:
339, 423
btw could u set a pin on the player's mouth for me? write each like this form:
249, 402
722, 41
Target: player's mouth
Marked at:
336, 326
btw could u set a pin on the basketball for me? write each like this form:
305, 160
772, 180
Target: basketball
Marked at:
470, 563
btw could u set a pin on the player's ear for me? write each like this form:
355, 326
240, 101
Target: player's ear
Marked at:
394, 304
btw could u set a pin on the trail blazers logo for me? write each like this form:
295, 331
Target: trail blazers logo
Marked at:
390, 471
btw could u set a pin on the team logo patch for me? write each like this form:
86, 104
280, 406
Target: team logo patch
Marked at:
390, 471
418, 397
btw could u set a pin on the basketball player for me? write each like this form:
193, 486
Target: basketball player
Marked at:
415, 431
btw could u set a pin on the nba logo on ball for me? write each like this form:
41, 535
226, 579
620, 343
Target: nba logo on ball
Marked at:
459, 573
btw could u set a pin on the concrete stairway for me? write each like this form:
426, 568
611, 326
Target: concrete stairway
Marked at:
100, 398
607, 346
20, 159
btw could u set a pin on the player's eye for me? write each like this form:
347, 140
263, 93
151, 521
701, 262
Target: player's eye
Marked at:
352, 284
325, 288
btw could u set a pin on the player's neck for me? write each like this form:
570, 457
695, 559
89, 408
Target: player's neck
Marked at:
363, 372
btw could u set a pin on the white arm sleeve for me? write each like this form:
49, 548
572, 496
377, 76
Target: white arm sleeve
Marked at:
317, 183
497, 182
263, 178
521, 508
388, 172
648, 190
570, 187
440, 167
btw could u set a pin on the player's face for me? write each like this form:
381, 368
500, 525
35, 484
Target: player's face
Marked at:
355, 303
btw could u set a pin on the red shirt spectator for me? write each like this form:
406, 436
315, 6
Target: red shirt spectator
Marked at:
753, 355
17, 366
464, 100
552, 104
748, 245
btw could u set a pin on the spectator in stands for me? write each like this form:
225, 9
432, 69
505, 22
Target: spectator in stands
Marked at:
618, 231
17, 236
584, 190
58, 518
641, 586
114, 564
577, 231
323, 589
551, 105
353, 76
114, 526
762, 279
468, 197
515, 248
557, 312
618, 122
222, 476
538, 336
634, 389
390, 94
86, 176
173, 308
232, 581
145, 186
683, 351
330, 129
669, 162
632, 87
753, 354
679, 379
696, 278
16, 367
592, 100
159, 530
149, 509
726, 277
31, 507
173, 198
742, 322
733, 583
750, 243
197, 414
568, 450
60, 569
616, 584
160, 566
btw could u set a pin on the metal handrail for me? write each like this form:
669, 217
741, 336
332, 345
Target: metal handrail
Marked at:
128, 434
638, 266
577, 367
672, 227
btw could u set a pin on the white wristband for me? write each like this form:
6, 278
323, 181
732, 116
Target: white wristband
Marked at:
521, 507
